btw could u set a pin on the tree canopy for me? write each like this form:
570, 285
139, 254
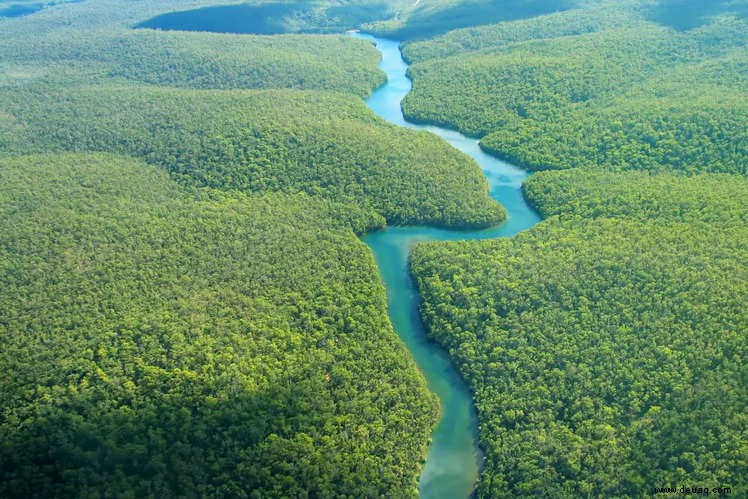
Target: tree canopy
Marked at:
274, 140
161, 342
596, 87
185, 306
605, 346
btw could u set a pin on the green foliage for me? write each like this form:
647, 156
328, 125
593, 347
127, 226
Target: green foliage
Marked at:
202, 60
323, 144
167, 339
609, 15
592, 88
607, 355
223, 61
94, 42
715, 199
606, 346
155, 343
689, 131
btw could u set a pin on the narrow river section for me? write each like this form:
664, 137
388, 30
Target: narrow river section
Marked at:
453, 460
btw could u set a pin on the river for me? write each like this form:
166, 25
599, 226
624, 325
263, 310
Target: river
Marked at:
453, 460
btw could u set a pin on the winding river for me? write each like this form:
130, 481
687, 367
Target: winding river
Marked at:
453, 460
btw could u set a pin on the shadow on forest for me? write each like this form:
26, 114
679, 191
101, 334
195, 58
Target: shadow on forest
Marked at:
426, 21
268, 19
19, 10
688, 14
159, 442
15, 9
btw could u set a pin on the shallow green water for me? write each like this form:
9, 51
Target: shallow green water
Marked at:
453, 460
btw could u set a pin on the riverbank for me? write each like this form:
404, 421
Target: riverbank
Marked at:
453, 463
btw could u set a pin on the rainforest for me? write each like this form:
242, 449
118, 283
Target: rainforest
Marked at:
373, 248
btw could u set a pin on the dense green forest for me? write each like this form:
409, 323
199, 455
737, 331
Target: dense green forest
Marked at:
186, 309
161, 343
192, 313
609, 15
193, 60
606, 347
588, 16
593, 87
93, 41
72, 89
721, 200
321, 143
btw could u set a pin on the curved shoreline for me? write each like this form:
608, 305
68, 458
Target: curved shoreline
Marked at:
497, 153
454, 458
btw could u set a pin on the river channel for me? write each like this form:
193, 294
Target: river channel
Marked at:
453, 460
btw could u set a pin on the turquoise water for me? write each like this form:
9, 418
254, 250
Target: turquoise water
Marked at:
453, 461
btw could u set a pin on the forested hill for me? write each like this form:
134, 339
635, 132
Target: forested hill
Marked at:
159, 343
606, 346
604, 85
719, 200
185, 308
321, 143
192, 60
75, 89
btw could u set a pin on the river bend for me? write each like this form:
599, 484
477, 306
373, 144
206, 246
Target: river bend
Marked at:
453, 460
